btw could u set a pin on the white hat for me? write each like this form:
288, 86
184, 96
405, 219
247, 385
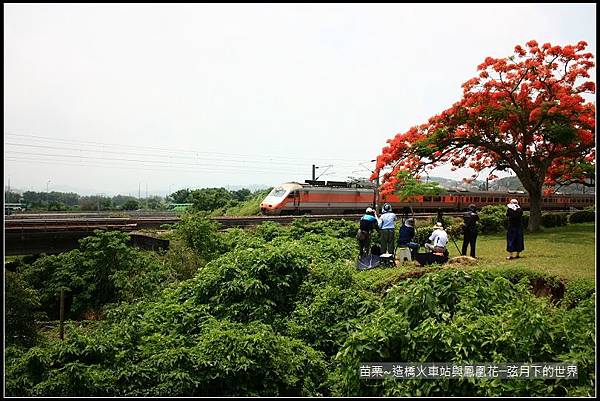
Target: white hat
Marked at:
438, 225
369, 210
516, 202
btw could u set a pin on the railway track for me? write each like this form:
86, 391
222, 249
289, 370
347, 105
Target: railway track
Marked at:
61, 222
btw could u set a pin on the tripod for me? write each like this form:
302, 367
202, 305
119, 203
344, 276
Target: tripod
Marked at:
440, 218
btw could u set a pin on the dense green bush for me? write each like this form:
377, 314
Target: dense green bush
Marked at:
21, 310
269, 230
104, 270
139, 359
332, 228
237, 238
554, 220
457, 316
583, 216
200, 234
330, 315
282, 311
492, 219
577, 291
250, 284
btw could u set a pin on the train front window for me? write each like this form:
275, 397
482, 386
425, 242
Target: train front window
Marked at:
277, 192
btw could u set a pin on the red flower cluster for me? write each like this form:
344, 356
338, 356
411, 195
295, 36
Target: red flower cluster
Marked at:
516, 114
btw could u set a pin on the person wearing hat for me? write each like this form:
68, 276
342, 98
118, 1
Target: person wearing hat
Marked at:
406, 236
386, 224
439, 239
514, 236
470, 231
368, 222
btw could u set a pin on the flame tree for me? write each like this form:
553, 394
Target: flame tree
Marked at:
524, 113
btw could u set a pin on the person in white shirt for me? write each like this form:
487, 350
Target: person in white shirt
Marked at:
386, 224
439, 239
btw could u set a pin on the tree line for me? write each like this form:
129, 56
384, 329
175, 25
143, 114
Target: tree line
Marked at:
203, 199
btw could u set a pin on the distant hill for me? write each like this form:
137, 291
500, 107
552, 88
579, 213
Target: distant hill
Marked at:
502, 184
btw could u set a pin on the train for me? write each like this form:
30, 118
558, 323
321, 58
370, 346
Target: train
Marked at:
338, 197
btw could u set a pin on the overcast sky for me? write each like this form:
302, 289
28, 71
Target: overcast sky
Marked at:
112, 98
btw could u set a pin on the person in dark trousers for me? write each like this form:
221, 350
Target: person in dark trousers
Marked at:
514, 236
368, 223
406, 236
470, 232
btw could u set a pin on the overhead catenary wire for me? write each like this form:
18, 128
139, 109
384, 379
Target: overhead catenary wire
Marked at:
236, 160
171, 150
71, 163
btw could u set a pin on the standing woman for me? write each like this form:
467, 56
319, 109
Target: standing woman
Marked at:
514, 235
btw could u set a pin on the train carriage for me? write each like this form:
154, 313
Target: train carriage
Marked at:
335, 197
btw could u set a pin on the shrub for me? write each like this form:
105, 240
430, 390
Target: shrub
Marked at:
583, 216
222, 359
326, 319
200, 234
103, 271
553, 220
332, 228
22, 304
577, 291
492, 219
269, 230
460, 316
250, 284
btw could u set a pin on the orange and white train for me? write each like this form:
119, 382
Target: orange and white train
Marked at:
334, 197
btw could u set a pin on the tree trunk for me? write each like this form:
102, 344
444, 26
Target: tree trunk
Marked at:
535, 209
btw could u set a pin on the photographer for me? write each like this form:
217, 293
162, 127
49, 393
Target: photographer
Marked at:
470, 232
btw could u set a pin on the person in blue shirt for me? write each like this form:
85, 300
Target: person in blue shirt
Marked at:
367, 224
406, 236
386, 224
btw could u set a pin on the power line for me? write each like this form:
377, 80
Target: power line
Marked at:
72, 141
71, 163
151, 154
161, 163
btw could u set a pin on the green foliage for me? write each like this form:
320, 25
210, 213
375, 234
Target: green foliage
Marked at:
200, 234
329, 316
411, 186
250, 284
22, 303
249, 206
12, 197
554, 220
492, 218
130, 204
282, 311
269, 230
136, 358
182, 260
465, 317
578, 290
42, 199
104, 270
181, 196
208, 199
583, 216
328, 228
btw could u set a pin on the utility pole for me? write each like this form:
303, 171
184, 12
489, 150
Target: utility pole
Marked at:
313, 172
139, 188
146, 195
376, 191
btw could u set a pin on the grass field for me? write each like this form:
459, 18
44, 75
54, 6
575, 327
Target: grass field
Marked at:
567, 252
